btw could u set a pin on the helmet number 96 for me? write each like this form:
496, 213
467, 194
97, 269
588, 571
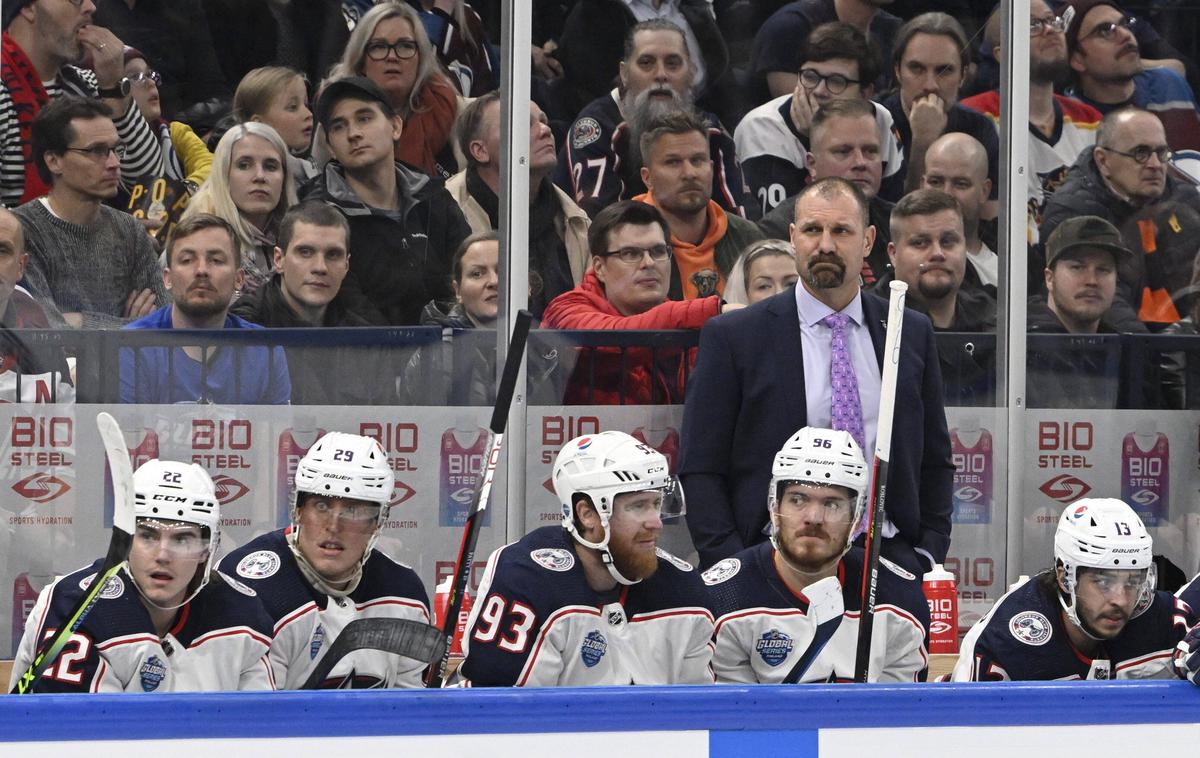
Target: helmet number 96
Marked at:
825, 443
343, 455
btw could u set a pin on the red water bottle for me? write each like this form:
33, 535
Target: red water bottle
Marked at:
942, 596
441, 601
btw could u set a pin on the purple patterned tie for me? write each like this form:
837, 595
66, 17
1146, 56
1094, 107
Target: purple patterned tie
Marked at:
847, 409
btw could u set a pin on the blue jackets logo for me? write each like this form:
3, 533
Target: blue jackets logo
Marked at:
1031, 627
774, 647
593, 648
152, 673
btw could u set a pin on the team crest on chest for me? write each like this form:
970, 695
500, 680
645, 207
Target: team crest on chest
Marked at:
676, 561
593, 648
259, 564
152, 673
774, 646
722, 571
111, 591
1031, 627
553, 558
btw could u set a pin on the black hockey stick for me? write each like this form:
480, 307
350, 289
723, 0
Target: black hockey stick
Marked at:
883, 454
435, 677
407, 637
825, 606
118, 550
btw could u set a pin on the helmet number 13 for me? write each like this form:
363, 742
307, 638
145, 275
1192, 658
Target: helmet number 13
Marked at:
1122, 528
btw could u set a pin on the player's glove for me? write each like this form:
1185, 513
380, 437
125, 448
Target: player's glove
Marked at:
1187, 656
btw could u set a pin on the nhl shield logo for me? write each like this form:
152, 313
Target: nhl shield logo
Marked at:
258, 565
553, 558
774, 647
314, 647
1031, 627
593, 648
152, 673
722, 571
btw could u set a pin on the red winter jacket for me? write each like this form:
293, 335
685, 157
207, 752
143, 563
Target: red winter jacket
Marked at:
643, 377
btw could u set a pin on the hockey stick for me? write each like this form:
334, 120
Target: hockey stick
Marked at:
466, 549
118, 550
412, 639
825, 606
883, 454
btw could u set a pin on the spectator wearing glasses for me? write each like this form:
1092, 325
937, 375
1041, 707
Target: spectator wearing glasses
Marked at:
773, 140
90, 266
706, 238
45, 41
389, 46
626, 288
1059, 126
1110, 74
1126, 179
187, 158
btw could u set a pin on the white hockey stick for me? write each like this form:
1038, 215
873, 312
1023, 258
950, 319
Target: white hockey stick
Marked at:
826, 608
118, 550
883, 454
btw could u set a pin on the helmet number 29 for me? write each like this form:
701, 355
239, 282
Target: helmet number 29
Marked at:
343, 455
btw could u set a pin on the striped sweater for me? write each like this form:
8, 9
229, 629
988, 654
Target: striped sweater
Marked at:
143, 155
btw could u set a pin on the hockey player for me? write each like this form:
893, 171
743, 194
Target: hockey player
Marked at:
1095, 615
595, 601
165, 622
788, 610
322, 572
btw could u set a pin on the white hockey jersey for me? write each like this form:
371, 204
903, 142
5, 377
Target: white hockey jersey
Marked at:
1024, 638
306, 622
537, 622
763, 628
219, 641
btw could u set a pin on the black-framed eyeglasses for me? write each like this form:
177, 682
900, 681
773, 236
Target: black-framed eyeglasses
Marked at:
1106, 30
1142, 153
1039, 26
143, 77
835, 83
636, 254
100, 152
379, 50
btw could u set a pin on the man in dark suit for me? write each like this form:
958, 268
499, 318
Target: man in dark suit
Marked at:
764, 372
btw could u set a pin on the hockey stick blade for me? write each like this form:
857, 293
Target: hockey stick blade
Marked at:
406, 637
466, 548
825, 606
883, 454
114, 559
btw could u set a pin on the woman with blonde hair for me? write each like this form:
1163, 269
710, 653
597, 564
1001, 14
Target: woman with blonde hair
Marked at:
251, 187
765, 268
278, 96
389, 46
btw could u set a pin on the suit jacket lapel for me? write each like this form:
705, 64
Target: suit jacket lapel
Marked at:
784, 328
875, 313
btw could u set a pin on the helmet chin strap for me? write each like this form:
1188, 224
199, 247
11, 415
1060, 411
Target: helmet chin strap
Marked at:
199, 586
606, 556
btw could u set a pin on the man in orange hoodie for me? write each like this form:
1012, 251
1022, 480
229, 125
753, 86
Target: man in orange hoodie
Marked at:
626, 288
677, 171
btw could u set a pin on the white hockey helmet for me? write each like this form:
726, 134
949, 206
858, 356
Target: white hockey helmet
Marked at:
1102, 533
822, 457
602, 466
348, 466
184, 492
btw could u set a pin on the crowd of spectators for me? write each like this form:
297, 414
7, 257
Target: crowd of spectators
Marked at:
351, 151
